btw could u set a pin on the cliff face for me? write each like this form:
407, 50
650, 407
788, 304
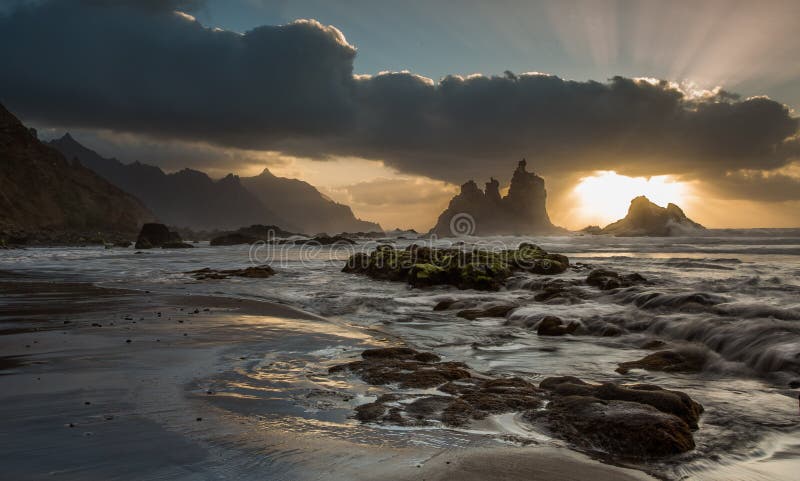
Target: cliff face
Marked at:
41, 191
309, 210
645, 218
484, 212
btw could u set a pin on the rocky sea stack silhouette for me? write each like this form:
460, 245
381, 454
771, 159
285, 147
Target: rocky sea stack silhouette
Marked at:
645, 218
484, 212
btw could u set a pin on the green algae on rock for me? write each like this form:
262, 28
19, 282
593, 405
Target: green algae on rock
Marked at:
481, 269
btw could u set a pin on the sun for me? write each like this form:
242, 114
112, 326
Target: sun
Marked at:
605, 196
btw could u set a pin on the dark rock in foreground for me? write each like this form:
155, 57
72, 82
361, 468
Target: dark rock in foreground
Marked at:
476, 269
619, 427
637, 421
255, 272
463, 398
645, 218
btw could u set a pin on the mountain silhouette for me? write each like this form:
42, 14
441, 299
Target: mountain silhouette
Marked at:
311, 211
40, 190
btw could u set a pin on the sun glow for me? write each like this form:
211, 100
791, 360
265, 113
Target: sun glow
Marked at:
605, 196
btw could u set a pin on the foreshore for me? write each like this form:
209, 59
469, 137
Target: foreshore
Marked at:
121, 384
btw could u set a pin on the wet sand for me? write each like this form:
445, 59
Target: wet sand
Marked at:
116, 384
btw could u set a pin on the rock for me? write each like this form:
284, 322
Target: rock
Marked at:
250, 235
592, 230
606, 279
326, 240
500, 310
483, 212
465, 269
672, 402
405, 367
156, 235
645, 218
554, 326
253, 272
467, 397
623, 428
667, 361
123, 243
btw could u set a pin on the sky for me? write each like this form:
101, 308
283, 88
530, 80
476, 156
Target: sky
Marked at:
389, 106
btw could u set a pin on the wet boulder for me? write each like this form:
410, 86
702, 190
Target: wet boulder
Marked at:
253, 272
676, 403
622, 428
554, 326
606, 279
667, 361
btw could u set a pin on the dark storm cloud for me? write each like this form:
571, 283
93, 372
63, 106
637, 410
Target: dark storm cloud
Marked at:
122, 67
148, 70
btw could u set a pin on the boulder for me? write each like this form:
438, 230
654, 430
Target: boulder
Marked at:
622, 428
253, 272
606, 279
554, 326
667, 361
156, 235
499, 310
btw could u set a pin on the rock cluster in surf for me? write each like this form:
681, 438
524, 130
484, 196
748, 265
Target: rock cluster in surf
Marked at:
639, 421
466, 269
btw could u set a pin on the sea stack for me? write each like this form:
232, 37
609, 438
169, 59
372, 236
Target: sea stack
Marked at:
484, 212
645, 218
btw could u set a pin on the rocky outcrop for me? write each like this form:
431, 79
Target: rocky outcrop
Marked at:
158, 235
636, 421
306, 207
645, 218
465, 269
44, 198
484, 212
253, 272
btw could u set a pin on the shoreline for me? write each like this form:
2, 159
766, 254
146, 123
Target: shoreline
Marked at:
61, 368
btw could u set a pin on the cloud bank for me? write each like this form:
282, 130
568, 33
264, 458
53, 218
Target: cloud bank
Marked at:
147, 69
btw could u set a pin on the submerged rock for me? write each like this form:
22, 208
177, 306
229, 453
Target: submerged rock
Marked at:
465, 269
499, 310
667, 361
255, 272
554, 326
606, 279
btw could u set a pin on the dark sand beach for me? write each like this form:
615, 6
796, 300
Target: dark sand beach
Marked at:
117, 384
